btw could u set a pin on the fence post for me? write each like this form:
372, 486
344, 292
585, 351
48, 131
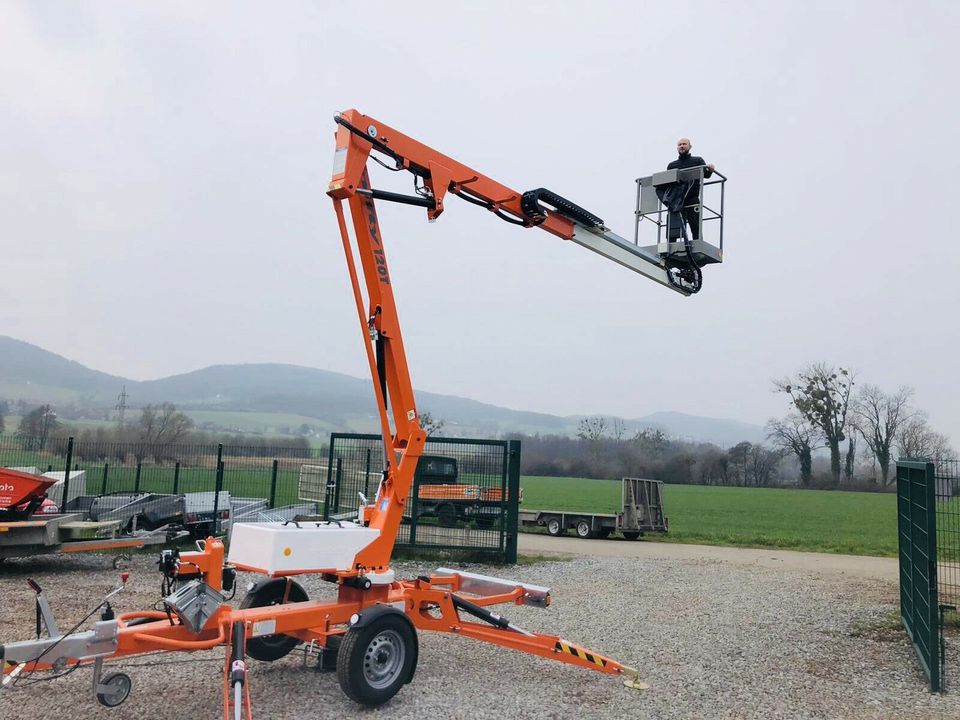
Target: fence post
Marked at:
328, 490
513, 500
66, 476
366, 477
336, 490
136, 478
414, 509
933, 591
218, 486
176, 477
273, 483
103, 483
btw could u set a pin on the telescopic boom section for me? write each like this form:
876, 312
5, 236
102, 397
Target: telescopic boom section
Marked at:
358, 136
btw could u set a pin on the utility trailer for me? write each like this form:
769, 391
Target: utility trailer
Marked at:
641, 511
69, 533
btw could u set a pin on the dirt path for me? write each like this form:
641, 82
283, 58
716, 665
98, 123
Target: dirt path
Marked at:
850, 565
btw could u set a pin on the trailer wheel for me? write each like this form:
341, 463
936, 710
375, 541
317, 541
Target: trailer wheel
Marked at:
603, 533
584, 531
376, 660
554, 527
272, 647
447, 515
485, 523
630, 535
115, 689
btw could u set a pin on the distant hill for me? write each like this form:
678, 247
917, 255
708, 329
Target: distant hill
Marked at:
268, 397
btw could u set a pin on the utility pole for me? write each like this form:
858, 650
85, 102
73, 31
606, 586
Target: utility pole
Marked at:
121, 407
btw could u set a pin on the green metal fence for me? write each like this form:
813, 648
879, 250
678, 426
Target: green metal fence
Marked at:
465, 493
102, 468
301, 480
928, 508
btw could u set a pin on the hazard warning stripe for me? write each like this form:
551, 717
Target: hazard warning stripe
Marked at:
580, 653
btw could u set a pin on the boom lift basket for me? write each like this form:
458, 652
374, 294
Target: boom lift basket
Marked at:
670, 226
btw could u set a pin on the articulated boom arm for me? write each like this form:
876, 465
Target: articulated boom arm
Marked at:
357, 137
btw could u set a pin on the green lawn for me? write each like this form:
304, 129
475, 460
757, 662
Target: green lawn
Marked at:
814, 520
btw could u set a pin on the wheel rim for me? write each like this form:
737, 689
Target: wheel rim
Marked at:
383, 659
583, 529
553, 527
119, 688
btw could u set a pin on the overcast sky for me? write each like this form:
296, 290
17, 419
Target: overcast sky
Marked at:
163, 170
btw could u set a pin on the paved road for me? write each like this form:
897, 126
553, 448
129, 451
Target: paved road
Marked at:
850, 565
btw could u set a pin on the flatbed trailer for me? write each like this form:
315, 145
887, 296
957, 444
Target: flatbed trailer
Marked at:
68, 533
641, 512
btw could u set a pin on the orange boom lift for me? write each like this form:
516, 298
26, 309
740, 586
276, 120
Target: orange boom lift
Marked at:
369, 633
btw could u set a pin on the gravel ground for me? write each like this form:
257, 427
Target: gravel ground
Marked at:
714, 640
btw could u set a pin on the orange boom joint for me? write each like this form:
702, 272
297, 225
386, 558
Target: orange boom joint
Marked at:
369, 632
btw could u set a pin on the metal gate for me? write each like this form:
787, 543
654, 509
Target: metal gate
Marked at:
465, 493
917, 528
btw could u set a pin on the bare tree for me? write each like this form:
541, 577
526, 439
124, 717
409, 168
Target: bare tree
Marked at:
592, 429
850, 459
762, 465
916, 440
821, 394
796, 435
878, 417
650, 441
37, 426
158, 427
738, 458
430, 424
618, 430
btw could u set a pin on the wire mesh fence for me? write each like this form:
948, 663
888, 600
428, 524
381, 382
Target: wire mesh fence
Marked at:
464, 496
947, 483
105, 468
928, 507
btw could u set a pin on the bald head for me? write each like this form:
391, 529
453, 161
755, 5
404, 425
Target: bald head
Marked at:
684, 145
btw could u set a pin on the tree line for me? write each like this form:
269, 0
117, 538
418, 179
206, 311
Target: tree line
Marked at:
863, 430
155, 434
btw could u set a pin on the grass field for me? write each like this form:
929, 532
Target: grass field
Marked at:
821, 521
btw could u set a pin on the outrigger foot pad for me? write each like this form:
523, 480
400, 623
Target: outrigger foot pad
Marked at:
633, 681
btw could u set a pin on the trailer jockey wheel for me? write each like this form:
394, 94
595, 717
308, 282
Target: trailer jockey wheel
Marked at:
554, 527
114, 689
376, 660
584, 530
272, 647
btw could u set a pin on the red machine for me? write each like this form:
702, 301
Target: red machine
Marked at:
369, 633
21, 494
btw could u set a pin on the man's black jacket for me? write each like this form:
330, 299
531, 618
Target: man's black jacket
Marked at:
689, 161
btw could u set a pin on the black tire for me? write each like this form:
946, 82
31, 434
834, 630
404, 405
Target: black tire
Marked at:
603, 533
119, 685
268, 648
376, 660
630, 535
555, 527
485, 523
447, 515
584, 531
